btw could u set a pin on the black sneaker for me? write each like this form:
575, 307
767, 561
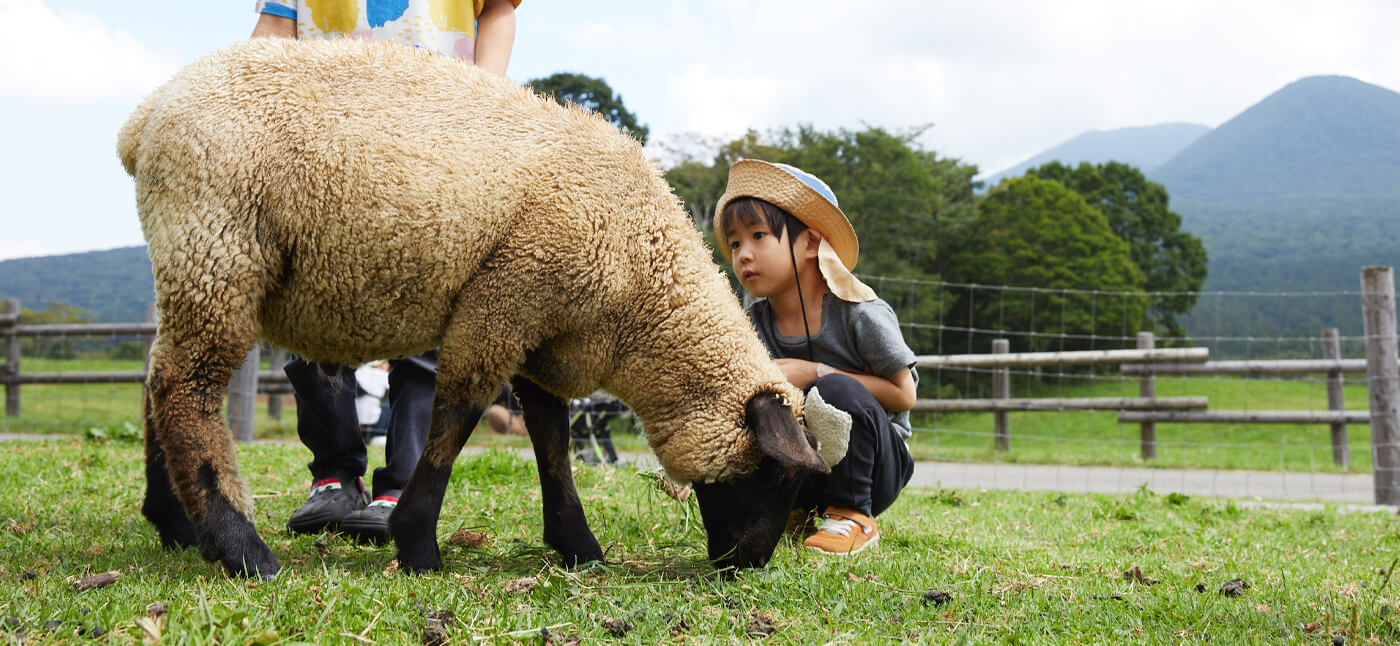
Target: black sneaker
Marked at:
330, 502
371, 524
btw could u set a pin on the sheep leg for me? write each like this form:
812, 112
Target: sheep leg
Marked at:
162, 507
186, 388
413, 523
565, 528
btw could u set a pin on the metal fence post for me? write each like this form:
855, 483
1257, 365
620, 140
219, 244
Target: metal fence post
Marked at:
1147, 387
243, 396
9, 319
1001, 389
1332, 349
1382, 380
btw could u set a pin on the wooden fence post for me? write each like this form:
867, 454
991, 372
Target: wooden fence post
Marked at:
9, 319
152, 316
274, 400
1382, 380
1001, 389
243, 396
1332, 349
1147, 387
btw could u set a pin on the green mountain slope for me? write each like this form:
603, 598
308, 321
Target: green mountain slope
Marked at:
1144, 148
1295, 194
113, 285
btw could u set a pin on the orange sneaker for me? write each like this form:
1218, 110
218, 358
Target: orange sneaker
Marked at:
843, 531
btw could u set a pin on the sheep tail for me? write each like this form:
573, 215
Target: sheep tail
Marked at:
130, 136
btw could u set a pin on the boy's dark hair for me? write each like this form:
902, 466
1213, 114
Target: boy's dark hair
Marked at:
749, 209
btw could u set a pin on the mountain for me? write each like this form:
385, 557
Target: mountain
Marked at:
1322, 142
113, 285
1144, 147
1295, 194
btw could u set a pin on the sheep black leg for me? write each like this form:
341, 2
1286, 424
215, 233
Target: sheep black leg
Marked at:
413, 523
565, 528
186, 395
162, 507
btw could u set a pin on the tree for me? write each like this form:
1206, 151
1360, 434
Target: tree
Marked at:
896, 194
592, 94
1035, 233
1173, 261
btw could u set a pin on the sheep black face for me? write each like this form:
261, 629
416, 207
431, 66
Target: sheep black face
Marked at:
745, 517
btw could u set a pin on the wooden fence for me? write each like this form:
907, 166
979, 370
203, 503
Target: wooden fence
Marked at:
1381, 366
247, 383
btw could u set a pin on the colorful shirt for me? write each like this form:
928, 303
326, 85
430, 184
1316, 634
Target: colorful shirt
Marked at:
444, 26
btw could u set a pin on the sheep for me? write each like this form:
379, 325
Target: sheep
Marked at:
352, 200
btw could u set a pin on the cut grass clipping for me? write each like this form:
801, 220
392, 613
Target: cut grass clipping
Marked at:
78, 562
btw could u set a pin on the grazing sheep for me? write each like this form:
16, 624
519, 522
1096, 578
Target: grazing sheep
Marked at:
351, 200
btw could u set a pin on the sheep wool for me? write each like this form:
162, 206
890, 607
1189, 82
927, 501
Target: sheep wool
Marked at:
353, 200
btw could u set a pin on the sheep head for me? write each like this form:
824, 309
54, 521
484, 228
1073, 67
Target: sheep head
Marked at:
745, 516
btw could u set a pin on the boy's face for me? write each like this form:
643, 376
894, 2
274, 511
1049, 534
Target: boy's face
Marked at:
760, 258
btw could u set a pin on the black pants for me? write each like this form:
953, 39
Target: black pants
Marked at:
877, 463
327, 423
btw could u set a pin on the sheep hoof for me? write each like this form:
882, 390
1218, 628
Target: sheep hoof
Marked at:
229, 538
578, 555
176, 534
419, 561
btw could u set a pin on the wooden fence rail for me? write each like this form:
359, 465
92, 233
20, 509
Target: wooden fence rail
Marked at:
270, 382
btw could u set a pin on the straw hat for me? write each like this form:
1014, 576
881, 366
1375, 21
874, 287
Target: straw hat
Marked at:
810, 200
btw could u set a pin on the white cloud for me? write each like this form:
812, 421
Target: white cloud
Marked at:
1000, 81
49, 58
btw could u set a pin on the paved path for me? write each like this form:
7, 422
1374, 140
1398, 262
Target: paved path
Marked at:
1271, 486
1263, 485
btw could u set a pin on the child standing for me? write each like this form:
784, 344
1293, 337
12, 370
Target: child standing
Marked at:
791, 246
480, 31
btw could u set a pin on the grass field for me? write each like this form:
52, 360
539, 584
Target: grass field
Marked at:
1082, 438
1015, 568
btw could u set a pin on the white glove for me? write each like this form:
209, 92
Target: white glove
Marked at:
830, 425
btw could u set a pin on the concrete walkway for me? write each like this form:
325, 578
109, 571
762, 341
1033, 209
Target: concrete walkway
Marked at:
1278, 486
1270, 486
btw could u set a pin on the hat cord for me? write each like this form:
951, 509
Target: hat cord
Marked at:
802, 304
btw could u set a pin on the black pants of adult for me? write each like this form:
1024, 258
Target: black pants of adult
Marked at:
877, 463
327, 423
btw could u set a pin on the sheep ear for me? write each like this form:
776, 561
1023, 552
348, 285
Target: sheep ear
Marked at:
780, 435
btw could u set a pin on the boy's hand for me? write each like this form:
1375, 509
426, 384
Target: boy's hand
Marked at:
799, 372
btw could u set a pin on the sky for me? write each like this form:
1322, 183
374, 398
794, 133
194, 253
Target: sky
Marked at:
997, 81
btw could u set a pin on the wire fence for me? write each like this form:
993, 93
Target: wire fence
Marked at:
1045, 446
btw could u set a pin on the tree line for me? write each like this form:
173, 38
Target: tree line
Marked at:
922, 218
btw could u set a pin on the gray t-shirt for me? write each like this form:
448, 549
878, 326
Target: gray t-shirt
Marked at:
857, 337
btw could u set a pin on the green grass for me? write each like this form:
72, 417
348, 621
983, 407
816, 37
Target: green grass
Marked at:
1080, 438
1020, 568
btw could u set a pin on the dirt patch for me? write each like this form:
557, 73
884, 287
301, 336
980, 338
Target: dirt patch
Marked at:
1135, 575
96, 581
468, 539
936, 597
1234, 587
759, 625
616, 627
520, 586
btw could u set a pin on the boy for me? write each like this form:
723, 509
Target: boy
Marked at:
478, 31
790, 245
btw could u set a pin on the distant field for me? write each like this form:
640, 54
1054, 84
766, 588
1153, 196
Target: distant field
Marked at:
1080, 438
